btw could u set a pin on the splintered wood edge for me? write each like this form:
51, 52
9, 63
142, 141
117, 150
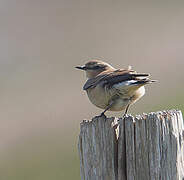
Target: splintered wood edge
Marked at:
114, 123
117, 121
144, 116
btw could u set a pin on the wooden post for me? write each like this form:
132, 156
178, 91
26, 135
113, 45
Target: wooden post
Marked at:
147, 147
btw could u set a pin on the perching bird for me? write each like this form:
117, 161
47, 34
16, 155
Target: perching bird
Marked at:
113, 89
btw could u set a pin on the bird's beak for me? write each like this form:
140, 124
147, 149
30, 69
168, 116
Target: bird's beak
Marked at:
81, 67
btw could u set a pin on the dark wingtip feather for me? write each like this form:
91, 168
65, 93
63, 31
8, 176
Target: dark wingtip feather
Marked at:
141, 75
144, 81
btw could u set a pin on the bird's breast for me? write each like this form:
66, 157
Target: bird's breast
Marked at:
100, 96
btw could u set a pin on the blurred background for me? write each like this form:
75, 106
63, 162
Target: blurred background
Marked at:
41, 98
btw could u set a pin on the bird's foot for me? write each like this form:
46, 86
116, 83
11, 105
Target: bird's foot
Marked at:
101, 115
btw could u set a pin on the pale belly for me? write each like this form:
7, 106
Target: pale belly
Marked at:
98, 97
119, 104
101, 98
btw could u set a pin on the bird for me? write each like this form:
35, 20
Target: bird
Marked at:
113, 89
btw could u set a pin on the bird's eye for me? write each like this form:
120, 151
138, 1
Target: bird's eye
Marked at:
97, 67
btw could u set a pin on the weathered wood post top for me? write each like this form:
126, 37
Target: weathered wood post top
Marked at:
145, 147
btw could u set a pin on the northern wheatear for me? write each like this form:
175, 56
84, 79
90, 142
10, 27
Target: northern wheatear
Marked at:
113, 89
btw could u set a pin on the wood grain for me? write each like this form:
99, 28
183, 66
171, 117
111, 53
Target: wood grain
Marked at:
145, 147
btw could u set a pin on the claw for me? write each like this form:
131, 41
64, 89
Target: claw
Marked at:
102, 114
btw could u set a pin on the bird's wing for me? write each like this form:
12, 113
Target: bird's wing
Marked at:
115, 77
126, 77
90, 83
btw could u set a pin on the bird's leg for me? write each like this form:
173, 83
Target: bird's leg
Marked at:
126, 111
107, 108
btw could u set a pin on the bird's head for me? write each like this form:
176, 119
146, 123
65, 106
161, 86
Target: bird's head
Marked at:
95, 67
